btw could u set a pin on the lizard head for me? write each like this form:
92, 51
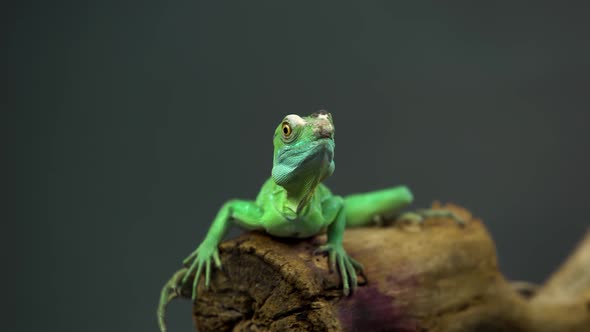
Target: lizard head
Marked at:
303, 149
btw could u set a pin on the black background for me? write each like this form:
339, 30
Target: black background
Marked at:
137, 120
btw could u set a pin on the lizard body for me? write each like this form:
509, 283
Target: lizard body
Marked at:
294, 203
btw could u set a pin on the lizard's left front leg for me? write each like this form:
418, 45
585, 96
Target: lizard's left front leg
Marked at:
333, 209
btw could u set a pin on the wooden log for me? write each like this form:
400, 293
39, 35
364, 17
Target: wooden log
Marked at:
434, 276
563, 303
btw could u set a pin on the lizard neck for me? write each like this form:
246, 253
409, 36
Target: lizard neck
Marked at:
300, 193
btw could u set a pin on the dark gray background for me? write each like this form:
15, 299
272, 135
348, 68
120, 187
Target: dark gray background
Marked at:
137, 120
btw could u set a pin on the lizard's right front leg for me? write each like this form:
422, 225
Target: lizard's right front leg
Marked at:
246, 213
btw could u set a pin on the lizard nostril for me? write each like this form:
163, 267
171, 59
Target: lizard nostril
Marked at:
324, 130
326, 134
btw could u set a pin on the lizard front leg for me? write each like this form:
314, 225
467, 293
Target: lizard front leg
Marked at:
333, 209
246, 213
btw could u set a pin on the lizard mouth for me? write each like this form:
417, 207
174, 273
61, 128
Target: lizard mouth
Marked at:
320, 148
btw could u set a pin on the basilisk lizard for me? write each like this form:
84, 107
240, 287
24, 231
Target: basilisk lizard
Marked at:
293, 202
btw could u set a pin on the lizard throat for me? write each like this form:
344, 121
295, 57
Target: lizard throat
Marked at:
297, 200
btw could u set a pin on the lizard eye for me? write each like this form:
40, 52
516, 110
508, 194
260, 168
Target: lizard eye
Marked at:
286, 128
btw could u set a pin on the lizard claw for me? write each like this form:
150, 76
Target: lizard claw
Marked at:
200, 261
337, 257
327, 248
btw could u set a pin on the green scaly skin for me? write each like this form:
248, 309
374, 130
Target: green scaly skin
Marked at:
294, 203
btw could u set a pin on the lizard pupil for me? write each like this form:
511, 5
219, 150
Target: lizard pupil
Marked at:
286, 129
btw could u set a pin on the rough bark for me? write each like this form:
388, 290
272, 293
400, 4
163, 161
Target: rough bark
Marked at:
434, 276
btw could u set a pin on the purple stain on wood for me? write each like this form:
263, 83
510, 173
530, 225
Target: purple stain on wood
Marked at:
370, 310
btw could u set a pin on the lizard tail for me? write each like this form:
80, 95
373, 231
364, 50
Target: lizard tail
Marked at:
361, 209
170, 291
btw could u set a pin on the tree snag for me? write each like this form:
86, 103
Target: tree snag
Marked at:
433, 276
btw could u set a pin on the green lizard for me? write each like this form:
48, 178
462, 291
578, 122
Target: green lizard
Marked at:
294, 203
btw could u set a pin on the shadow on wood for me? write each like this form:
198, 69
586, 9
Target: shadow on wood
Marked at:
434, 276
